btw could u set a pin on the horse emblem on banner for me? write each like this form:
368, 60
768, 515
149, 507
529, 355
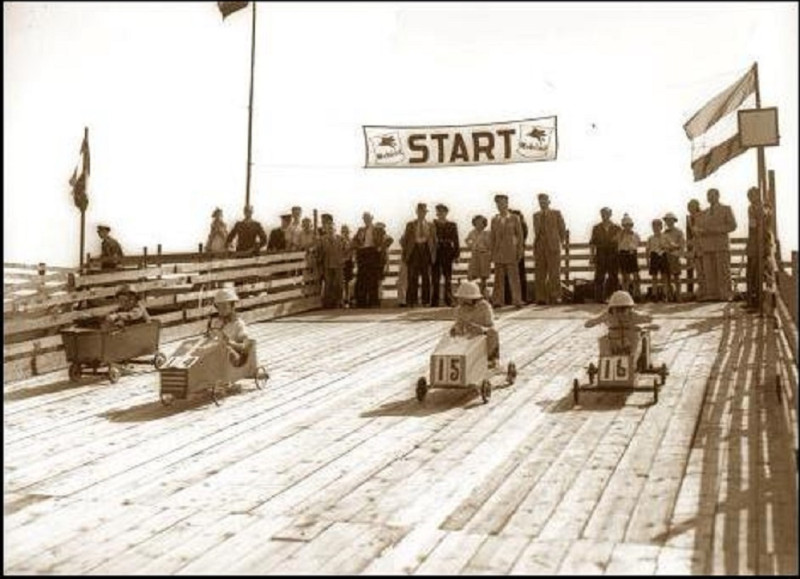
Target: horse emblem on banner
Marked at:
387, 149
534, 140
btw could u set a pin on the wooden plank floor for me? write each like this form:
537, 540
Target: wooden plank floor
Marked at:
335, 468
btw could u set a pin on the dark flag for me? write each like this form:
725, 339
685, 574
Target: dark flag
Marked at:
80, 175
228, 8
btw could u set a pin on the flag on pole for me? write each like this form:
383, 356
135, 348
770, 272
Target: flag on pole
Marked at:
228, 8
80, 175
714, 129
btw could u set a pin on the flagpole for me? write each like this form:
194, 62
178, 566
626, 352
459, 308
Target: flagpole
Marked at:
83, 208
250, 108
762, 193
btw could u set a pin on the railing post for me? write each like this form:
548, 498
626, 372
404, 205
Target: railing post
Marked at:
144, 255
158, 250
566, 261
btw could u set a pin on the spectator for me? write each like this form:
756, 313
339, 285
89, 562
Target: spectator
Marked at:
227, 326
330, 253
717, 222
694, 261
603, 247
447, 251
523, 278
293, 231
129, 310
657, 256
218, 236
674, 245
388, 240
755, 219
349, 266
419, 251
304, 240
628, 257
507, 247
368, 243
110, 249
249, 234
402, 278
550, 234
480, 243
278, 238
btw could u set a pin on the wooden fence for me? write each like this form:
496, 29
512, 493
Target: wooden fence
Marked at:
39, 302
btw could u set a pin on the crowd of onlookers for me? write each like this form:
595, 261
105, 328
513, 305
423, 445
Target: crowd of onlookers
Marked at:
352, 267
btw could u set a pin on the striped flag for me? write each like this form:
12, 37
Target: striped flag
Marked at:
714, 129
80, 175
228, 8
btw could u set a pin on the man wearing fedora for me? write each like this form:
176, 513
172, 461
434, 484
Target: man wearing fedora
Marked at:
229, 327
419, 246
447, 251
507, 249
110, 249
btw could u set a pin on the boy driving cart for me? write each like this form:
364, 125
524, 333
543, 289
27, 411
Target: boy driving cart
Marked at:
474, 317
129, 311
623, 323
229, 327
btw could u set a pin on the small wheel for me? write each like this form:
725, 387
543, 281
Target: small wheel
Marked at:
159, 360
422, 389
167, 399
261, 377
575, 390
511, 375
114, 374
486, 390
75, 371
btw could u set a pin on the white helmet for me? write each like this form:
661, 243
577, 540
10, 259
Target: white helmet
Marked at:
227, 294
469, 290
620, 299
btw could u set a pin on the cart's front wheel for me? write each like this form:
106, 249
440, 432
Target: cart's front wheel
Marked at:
261, 377
511, 375
159, 360
114, 374
575, 390
422, 389
486, 390
75, 371
166, 398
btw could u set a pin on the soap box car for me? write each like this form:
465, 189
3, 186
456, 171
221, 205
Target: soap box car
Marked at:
204, 364
625, 372
462, 362
111, 346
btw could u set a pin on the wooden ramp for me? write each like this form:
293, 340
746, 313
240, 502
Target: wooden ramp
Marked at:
336, 468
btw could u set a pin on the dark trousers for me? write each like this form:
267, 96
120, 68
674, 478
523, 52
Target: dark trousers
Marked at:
368, 277
419, 265
441, 267
605, 274
523, 285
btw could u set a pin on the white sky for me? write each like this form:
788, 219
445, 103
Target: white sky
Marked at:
163, 88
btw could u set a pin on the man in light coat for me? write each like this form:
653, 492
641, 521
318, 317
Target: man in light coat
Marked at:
507, 249
549, 235
717, 223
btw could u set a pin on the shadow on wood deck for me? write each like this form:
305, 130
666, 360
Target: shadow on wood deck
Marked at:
336, 468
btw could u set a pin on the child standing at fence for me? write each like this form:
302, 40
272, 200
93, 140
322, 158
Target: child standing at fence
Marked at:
628, 262
674, 244
657, 260
480, 262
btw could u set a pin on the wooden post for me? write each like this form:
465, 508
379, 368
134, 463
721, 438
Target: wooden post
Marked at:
566, 266
144, 255
315, 222
250, 108
762, 188
158, 251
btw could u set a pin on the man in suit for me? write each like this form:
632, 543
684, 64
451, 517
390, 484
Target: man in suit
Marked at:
419, 245
368, 243
549, 234
603, 247
279, 238
447, 251
717, 222
248, 233
110, 250
507, 249
523, 281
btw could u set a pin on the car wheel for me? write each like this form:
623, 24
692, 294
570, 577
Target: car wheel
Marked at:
422, 389
75, 371
261, 377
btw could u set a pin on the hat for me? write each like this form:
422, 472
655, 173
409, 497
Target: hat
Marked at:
501, 196
226, 294
442, 207
480, 218
248, 208
620, 299
216, 212
606, 209
126, 289
286, 216
670, 215
102, 226
296, 208
469, 290
380, 225
626, 220
325, 217
543, 196
422, 206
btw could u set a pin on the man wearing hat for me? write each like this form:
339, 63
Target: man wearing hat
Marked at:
674, 244
507, 249
603, 248
447, 251
419, 245
248, 233
330, 256
129, 310
279, 238
368, 243
110, 249
549, 234
229, 327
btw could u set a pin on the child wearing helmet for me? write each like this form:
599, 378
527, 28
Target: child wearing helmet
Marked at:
623, 325
474, 317
229, 327
129, 310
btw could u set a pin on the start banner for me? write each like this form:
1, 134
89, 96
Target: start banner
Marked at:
522, 141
